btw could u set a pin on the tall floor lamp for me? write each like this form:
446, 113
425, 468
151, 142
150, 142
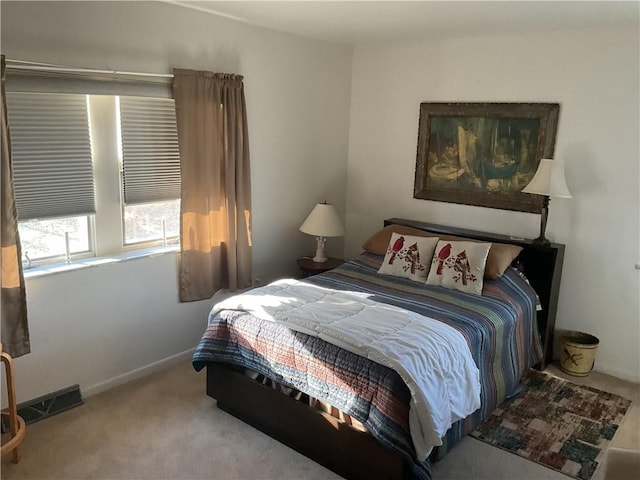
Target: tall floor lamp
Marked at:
323, 221
548, 181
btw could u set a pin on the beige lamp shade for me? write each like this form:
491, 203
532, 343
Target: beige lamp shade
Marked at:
323, 221
549, 180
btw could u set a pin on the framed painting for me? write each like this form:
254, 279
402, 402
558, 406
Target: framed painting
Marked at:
483, 154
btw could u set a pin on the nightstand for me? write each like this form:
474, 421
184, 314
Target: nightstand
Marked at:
308, 267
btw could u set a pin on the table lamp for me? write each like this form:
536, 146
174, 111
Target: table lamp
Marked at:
323, 222
548, 181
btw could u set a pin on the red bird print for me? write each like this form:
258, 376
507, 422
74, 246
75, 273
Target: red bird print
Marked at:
397, 246
442, 256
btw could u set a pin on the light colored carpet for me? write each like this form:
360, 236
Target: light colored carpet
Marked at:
165, 427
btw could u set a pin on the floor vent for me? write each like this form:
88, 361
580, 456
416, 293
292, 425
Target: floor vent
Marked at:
51, 404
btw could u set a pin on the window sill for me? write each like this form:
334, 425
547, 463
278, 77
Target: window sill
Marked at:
82, 263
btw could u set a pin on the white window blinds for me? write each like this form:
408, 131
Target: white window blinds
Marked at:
150, 156
51, 152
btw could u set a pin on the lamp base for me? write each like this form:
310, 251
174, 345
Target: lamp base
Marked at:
541, 240
320, 256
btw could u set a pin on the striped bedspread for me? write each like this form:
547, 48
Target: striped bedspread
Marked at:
499, 328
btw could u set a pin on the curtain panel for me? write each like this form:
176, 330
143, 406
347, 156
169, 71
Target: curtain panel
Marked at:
215, 206
13, 311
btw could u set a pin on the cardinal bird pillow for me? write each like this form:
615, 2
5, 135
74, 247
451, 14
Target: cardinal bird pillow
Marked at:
409, 257
459, 265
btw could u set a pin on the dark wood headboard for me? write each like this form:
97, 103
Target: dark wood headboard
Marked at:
542, 265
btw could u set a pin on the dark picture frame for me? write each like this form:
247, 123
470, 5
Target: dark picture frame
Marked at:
483, 154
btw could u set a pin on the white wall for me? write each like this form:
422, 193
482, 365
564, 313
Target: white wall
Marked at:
91, 326
594, 76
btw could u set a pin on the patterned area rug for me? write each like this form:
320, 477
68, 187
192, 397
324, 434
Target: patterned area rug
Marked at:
557, 424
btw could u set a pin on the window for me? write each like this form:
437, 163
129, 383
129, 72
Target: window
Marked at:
52, 171
93, 174
42, 239
151, 221
150, 168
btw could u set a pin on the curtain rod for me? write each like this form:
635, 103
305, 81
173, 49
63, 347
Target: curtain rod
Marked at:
46, 67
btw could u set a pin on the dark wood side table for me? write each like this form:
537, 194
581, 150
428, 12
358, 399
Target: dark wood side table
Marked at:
308, 267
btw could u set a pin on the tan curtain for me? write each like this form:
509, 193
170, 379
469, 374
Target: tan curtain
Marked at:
15, 330
216, 190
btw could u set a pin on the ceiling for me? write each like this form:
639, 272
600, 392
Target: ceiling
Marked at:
363, 21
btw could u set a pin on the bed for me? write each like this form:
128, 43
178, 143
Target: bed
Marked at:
351, 414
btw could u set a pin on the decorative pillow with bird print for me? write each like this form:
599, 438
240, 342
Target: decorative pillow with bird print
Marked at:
459, 265
409, 257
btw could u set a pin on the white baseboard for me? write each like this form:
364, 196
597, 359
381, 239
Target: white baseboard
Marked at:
137, 373
626, 375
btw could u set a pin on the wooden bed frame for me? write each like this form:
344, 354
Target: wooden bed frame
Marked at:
342, 449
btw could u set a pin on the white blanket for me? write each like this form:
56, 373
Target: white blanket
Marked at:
431, 357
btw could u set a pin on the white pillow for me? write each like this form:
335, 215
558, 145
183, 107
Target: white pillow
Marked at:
459, 265
409, 256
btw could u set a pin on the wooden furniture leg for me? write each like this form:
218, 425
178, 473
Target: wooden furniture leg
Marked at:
16, 423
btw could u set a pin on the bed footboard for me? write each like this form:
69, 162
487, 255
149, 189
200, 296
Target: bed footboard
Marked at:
333, 444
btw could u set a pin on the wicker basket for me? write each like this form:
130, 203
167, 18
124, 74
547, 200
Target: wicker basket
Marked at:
578, 353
